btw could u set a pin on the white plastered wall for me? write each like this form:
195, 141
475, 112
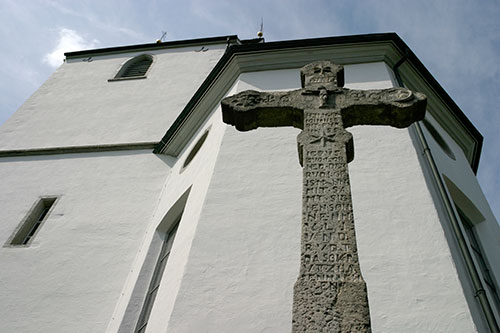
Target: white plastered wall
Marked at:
457, 171
77, 106
195, 177
243, 262
412, 281
71, 276
239, 273
463, 177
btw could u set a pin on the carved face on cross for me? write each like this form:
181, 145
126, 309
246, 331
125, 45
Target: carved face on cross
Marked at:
322, 74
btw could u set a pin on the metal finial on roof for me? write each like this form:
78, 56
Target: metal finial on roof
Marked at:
163, 35
260, 34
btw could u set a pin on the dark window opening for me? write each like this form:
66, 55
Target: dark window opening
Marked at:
439, 139
135, 68
24, 235
196, 148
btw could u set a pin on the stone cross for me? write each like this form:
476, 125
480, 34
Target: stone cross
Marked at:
330, 294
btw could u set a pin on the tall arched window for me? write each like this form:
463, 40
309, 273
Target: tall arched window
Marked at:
135, 68
147, 285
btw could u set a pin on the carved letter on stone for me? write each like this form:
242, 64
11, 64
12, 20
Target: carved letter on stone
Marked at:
330, 294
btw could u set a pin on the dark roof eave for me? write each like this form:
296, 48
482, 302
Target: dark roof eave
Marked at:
440, 91
236, 49
149, 46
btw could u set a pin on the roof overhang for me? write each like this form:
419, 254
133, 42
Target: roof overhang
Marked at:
241, 57
231, 39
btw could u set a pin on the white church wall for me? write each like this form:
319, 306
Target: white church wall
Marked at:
70, 277
244, 258
78, 106
461, 182
195, 177
236, 255
459, 172
412, 282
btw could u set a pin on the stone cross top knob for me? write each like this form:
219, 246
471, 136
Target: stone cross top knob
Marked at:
330, 294
322, 75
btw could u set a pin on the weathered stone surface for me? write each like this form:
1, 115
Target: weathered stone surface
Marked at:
330, 294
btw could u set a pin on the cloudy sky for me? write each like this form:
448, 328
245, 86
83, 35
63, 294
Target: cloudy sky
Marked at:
458, 41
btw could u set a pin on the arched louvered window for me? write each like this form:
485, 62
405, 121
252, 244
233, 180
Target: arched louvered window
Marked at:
135, 68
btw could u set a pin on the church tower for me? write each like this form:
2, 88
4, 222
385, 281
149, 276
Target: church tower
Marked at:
132, 205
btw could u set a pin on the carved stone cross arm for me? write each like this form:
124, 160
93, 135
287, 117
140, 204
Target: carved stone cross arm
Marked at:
396, 107
251, 109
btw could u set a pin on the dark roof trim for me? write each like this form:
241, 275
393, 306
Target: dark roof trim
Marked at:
78, 149
130, 48
236, 49
473, 131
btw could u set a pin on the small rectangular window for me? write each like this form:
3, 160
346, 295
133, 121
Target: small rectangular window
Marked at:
30, 226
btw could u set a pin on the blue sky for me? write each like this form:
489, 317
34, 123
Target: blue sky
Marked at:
457, 40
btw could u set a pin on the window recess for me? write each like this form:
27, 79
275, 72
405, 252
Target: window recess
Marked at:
135, 68
33, 221
481, 261
141, 302
155, 280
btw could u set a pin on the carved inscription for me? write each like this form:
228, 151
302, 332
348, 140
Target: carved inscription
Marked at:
330, 294
329, 259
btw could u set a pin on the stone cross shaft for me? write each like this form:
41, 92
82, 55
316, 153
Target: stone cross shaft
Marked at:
330, 294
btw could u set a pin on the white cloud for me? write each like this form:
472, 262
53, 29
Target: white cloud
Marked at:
69, 40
